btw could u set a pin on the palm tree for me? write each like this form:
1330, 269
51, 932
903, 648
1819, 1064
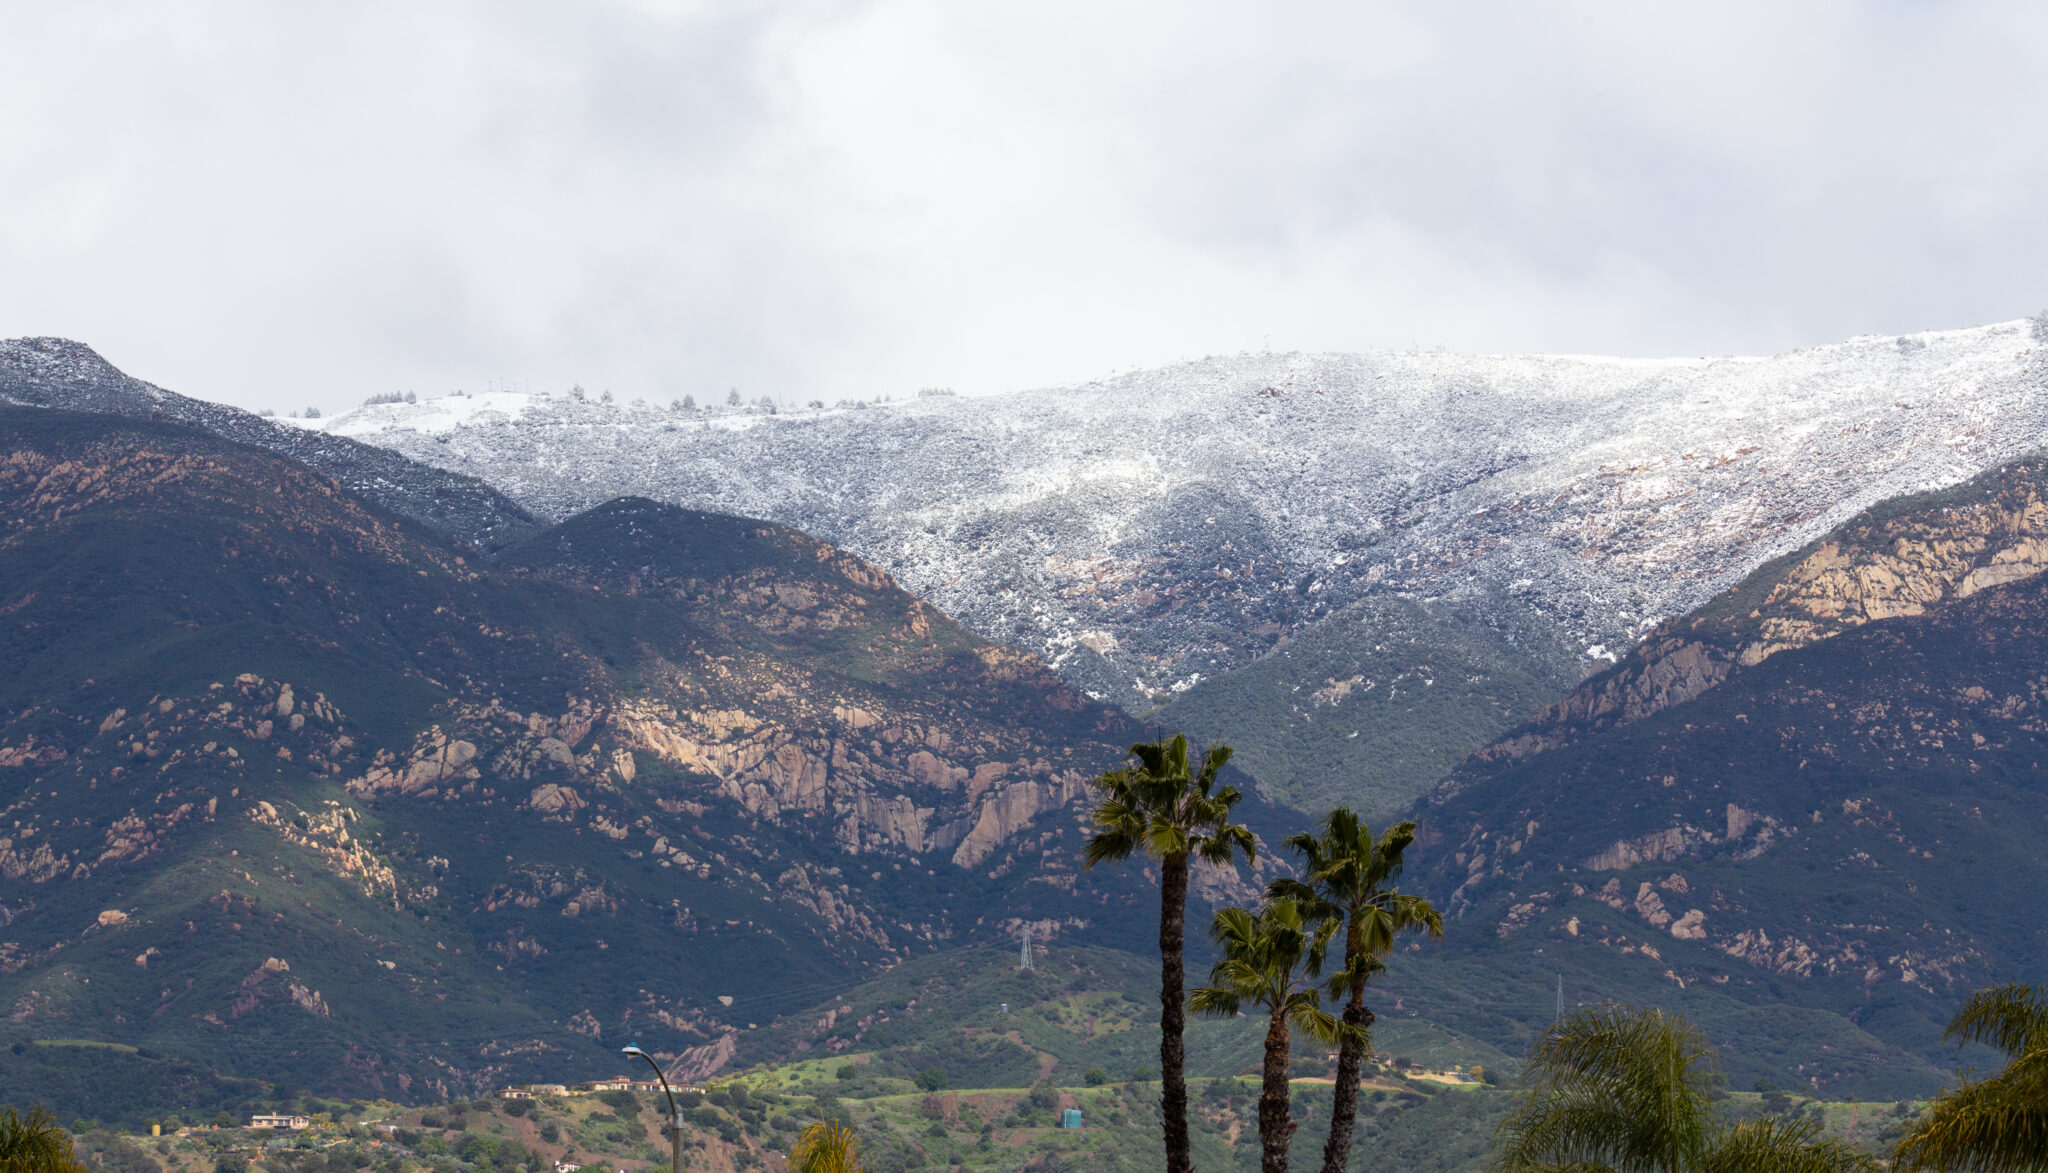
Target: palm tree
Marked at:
826, 1147
1347, 872
34, 1143
1157, 806
1626, 1089
2000, 1124
1271, 959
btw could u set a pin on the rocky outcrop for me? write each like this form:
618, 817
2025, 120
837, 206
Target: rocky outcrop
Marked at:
28, 753
697, 1063
1012, 807
1989, 533
267, 984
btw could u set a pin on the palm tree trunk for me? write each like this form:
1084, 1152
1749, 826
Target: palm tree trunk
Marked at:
1275, 1129
1173, 1090
1344, 1112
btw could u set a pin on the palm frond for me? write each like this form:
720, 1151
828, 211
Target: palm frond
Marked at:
2012, 1018
1783, 1146
1995, 1125
1307, 1016
33, 1142
1213, 1002
1614, 1085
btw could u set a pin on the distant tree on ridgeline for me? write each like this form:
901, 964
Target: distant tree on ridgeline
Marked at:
1160, 807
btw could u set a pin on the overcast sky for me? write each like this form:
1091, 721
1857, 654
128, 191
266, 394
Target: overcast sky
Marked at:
283, 204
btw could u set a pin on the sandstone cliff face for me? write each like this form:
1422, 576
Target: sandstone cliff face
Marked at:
1908, 558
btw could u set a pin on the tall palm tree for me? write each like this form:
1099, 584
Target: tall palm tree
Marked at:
35, 1143
2000, 1124
826, 1147
1624, 1089
1271, 959
1346, 874
1157, 806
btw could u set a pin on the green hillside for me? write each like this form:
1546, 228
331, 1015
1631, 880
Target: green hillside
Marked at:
1405, 693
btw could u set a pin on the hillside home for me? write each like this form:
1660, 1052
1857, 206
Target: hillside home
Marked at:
615, 1084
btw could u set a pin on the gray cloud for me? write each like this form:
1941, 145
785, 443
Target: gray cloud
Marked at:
289, 204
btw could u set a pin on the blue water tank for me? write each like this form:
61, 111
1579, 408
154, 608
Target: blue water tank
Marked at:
1070, 1118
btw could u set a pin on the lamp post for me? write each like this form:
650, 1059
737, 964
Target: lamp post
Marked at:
675, 1118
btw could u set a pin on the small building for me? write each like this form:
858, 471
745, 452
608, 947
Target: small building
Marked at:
1070, 1118
566, 1167
514, 1093
289, 1123
548, 1089
617, 1083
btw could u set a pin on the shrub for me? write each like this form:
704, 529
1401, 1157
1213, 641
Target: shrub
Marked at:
1043, 1096
625, 1103
847, 1071
931, 1079
1095, 1077
518, 1107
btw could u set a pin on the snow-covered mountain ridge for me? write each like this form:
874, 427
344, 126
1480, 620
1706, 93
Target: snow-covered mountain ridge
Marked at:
1146, 531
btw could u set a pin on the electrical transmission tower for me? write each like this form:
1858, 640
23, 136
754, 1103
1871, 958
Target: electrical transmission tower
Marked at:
1560, 996
1024, 961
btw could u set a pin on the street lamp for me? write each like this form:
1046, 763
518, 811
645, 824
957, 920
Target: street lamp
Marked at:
675, 1118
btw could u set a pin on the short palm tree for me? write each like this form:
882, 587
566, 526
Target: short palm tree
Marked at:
2000, 1124
826, 1147
1346, 873
35, 1143
1626, 1089
1271, 959
1158, 806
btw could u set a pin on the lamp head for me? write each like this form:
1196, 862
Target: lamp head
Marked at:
632, 1049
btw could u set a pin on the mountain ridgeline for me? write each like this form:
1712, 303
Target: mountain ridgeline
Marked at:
303, 790
1154, 534
331, 769
62, 374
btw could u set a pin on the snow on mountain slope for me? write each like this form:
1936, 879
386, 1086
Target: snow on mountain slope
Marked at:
1150, 530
